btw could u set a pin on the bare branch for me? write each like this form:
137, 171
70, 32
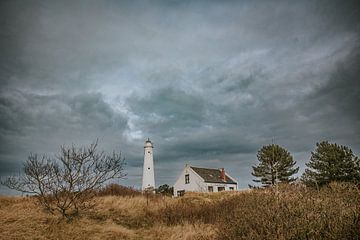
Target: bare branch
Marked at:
67, 182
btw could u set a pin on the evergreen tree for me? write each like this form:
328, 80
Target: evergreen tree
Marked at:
276, 165
331, 162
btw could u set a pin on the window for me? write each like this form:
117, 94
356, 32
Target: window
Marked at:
210, 188
221, 189
231, 188
187, 179
180, 193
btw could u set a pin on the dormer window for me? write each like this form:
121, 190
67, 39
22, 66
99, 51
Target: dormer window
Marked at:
187, 179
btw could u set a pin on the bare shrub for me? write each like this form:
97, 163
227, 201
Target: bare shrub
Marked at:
118, 190
68, 182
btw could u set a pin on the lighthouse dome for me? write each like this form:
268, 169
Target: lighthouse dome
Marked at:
148, 143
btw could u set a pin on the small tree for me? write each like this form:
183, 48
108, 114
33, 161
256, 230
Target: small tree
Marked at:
331, 162
66, 183
165, 190
276, 165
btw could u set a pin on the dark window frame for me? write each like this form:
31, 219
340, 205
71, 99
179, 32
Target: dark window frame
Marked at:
187, 178
180, 193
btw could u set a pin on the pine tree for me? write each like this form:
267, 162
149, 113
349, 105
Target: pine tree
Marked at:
331, 162
276, 165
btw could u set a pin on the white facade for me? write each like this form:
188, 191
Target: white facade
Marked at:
148, 180
190, 181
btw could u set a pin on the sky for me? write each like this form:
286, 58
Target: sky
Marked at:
209, 82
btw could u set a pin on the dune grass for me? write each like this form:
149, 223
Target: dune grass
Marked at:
112, 218
287, 212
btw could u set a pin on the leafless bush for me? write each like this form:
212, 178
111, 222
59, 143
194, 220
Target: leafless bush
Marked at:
68, 182
118, 190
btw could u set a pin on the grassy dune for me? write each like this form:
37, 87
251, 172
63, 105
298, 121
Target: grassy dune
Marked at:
113, 218
289, 212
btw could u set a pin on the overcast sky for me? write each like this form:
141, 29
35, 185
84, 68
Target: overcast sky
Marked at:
209, 82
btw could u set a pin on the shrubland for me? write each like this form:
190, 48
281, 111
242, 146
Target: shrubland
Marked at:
282, 212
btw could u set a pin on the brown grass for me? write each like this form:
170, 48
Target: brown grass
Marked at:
113, 218
294, 213
118, 190
290, 212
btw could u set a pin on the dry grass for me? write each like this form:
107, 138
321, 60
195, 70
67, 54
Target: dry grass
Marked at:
113, 218
292, 212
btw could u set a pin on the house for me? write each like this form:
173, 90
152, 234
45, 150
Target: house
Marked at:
196, 179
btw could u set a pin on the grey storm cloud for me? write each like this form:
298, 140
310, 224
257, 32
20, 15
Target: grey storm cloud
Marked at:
167, 110
22, 112
209, 82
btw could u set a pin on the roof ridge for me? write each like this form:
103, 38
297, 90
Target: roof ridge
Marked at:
205, 168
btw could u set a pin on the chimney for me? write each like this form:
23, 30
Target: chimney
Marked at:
222, 174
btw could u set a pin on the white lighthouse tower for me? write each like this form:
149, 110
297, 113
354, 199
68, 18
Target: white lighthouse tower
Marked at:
148, 180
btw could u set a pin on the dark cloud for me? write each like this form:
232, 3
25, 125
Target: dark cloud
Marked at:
168, 110
209, 82
332, 108
21, 111
342, 91
32, 122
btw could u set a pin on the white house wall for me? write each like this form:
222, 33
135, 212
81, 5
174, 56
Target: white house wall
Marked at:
225, 185
196, 183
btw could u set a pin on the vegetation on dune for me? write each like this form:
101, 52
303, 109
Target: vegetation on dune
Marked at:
276, 165
286, 212
331, 162
67, 183
293, 212
325, 205
114, 189
328, 163
165, 190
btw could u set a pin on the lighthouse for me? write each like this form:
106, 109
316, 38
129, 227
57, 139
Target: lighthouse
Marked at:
148, 180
